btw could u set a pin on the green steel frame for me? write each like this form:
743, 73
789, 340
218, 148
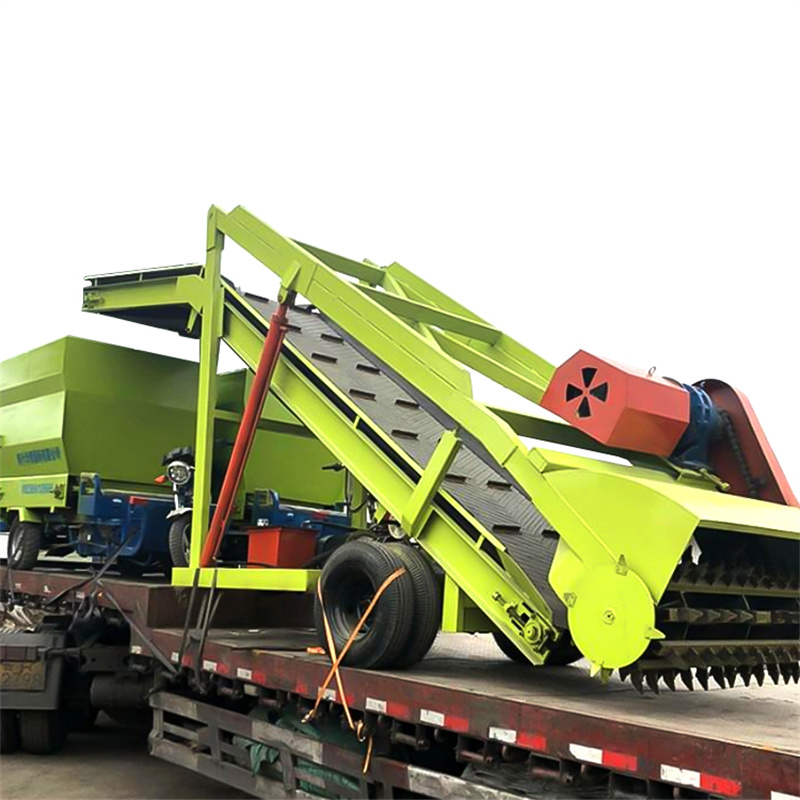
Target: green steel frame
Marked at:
622, 529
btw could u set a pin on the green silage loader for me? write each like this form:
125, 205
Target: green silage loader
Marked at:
677, 558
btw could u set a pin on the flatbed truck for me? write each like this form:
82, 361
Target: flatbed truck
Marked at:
464, 722
665, 552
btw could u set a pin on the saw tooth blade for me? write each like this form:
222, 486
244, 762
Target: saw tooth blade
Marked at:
786, 671
668, 676
794, 671
730, 675
746, 672
758, 674
686, 677
637, 679
774, 672
651, 676
701, 673
718, 674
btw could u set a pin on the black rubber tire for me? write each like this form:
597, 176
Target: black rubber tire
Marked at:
427, 605
562, 654
502, 641
24, 542
178, 533
42, 732
350, 578
9, 732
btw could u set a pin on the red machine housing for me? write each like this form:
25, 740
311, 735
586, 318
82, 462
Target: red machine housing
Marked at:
618, 405
289, 548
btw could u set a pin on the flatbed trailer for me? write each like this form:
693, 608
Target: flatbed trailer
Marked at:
464, 722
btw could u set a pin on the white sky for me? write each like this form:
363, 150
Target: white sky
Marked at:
622, 177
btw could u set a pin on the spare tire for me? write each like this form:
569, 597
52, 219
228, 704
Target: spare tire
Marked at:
349, 581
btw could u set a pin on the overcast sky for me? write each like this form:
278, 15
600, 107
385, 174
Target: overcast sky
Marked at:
622, 177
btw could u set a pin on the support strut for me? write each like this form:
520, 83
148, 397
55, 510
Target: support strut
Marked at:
246, 434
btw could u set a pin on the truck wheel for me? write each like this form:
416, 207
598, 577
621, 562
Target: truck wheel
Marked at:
9, 732
180, 541
350, 579
427, 606
42, 732
24, 541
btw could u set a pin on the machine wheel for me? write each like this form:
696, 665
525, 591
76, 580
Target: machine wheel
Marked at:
180, 541
9, 732
427, 605
42, 732
24, 541
503, 642
564, 653
561, 655
350, 579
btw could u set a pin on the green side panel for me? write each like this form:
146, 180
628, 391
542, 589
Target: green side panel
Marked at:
35, 491
31, 432
76, 405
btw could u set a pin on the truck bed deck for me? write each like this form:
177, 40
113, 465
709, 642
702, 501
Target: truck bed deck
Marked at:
735, 742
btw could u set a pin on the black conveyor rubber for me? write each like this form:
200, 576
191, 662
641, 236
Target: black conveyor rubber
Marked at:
415, 424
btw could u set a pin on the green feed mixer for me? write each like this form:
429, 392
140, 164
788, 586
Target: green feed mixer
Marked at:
84, 428
666, 546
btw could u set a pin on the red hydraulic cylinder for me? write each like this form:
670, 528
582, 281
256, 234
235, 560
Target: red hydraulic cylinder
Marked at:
246, 434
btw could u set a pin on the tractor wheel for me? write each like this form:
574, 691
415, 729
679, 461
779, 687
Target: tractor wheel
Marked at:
42, 732
427, 605
24, 542
9, 732
349, 581
180, 541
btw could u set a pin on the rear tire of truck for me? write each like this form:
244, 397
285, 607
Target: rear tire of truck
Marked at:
350, 579
42, 732
9, 732
24, 542
427, 606
180, 541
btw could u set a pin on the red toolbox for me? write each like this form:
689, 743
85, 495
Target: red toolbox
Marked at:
280, 547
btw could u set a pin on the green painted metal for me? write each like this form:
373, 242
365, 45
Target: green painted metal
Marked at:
419, 506
622, 528
76, 406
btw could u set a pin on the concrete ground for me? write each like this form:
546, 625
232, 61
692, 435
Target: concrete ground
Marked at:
109, 762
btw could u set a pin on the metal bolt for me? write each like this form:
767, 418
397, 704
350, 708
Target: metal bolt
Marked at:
609, 616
